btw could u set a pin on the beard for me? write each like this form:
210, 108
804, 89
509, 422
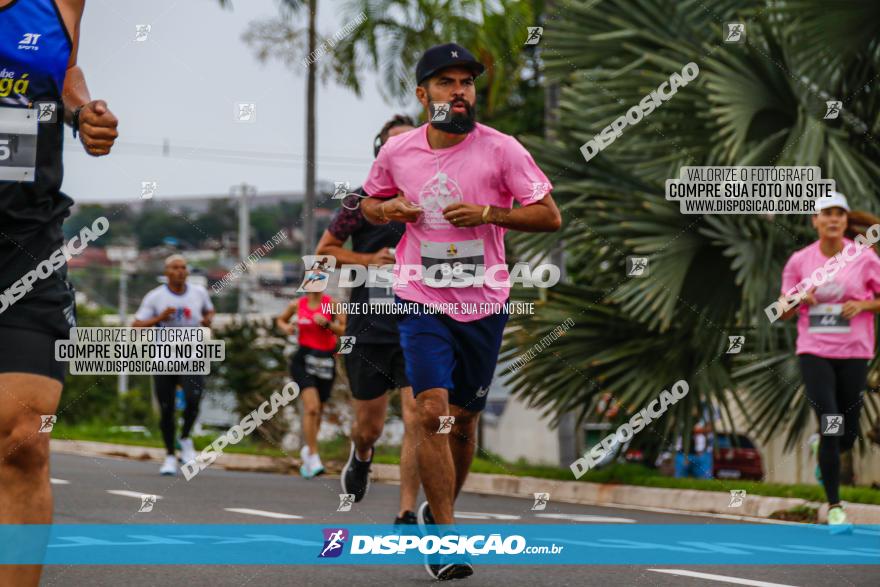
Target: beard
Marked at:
458, 123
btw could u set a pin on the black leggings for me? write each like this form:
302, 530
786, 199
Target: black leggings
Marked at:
166, 386
835, 386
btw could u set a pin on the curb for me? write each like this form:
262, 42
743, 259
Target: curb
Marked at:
577, 492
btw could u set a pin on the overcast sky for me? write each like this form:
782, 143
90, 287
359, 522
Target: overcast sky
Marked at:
182, 85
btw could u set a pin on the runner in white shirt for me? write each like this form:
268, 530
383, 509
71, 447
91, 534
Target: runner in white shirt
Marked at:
175, 304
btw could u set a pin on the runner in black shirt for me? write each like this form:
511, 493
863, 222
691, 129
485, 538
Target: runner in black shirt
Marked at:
375, 364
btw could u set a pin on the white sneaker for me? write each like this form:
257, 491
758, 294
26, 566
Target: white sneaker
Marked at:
169, 467
187, 450
315, 464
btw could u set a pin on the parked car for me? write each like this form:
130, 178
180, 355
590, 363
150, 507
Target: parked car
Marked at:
737, 458
732, 459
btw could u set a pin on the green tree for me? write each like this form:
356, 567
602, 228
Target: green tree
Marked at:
757, 103
254, 368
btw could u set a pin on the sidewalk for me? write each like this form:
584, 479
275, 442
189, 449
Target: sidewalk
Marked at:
578, 492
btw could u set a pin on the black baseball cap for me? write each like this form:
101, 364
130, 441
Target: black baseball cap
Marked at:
441, 57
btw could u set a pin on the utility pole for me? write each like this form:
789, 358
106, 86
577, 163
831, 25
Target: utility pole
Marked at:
245, 193
124, 255
311, 153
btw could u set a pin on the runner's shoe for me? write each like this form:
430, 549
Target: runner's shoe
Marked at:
406, 519
169, 467
316, 465
424, 517
837, 520
187, 450
355, 477
305, 469
449, 571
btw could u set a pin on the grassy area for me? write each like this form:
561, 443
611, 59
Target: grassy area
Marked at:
618, 474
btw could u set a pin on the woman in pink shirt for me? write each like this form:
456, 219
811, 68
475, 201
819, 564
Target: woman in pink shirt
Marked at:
313, 366
837, 280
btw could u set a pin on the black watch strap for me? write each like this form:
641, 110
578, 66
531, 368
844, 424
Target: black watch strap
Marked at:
75, 120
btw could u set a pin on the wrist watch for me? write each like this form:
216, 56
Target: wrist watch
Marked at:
485, 215
74, 122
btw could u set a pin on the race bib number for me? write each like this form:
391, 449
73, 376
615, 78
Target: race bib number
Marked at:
320, 367
379, 289
461, 261
827, 318
18, 144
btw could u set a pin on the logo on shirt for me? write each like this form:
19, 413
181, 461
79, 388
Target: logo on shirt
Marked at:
436, 194
29, 42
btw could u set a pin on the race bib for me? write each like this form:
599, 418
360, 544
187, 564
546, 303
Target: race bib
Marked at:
827, 319
18, 144
462, 262
379, 290
320, 367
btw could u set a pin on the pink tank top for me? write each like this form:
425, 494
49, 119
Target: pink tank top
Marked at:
310, 334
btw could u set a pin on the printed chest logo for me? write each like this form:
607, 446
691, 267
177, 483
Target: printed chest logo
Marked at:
183, 313
29, 42
436, 194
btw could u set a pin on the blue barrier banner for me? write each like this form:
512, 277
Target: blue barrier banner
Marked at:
490, 544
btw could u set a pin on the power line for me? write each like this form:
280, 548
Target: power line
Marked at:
189, 152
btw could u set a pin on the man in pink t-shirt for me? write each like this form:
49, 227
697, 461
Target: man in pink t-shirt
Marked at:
454, 182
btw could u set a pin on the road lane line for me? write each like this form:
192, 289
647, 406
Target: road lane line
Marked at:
54, 481
136, 494
485, 516
719, 578
587, 518
265, 514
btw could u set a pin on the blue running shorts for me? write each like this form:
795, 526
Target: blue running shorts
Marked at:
457, 356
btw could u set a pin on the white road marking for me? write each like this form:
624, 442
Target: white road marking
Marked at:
586, 518
485, 516
263, 513
719, 578
54, 481
642, 508
135, 494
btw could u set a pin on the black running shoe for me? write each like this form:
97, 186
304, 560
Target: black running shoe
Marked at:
424, 517
446, 571
407, 518
355, 478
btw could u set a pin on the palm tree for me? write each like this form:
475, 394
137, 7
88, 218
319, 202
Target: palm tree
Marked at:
397, 32
284, 39
758, 103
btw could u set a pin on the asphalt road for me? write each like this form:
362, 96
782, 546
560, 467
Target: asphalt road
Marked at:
91, 490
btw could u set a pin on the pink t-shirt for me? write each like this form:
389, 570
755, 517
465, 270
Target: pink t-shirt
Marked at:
487, 168
821, 329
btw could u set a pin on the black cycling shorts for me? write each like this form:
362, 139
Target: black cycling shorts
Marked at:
373, 369
29, 351
313, 368
33, 313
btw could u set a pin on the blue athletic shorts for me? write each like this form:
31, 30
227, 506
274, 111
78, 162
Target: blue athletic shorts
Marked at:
457, 356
